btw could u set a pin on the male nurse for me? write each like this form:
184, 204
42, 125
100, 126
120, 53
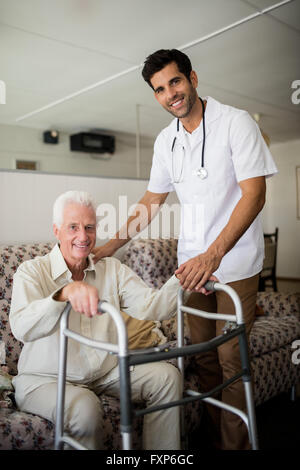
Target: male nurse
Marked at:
214, 157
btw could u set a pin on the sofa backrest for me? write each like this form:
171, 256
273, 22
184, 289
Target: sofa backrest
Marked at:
154, 260
11, 256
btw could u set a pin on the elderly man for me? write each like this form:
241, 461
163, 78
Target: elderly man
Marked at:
42, 287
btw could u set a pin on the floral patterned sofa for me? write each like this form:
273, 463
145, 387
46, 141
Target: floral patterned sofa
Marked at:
271, 339
24, 431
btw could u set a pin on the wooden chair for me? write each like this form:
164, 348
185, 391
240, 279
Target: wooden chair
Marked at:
268, 275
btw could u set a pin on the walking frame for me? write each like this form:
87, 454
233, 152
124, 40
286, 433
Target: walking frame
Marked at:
234, 326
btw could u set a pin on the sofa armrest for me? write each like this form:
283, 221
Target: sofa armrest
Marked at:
279, 304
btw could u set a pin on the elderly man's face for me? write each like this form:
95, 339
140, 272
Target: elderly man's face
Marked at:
77, 234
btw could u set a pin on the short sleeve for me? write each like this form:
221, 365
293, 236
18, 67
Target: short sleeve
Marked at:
250, 154
160, 178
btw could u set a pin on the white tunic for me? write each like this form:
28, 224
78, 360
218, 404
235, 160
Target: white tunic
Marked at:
234, 151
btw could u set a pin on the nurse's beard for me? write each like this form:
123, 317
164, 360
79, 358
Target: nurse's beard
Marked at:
190, 103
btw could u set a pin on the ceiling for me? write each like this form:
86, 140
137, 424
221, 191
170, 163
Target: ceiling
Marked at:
53, 50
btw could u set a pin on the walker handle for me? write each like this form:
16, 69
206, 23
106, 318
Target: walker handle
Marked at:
210, 285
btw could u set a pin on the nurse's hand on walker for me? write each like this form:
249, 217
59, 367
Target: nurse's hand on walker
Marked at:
195, 272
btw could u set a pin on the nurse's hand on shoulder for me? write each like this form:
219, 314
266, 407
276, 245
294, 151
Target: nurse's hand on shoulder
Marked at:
194, 273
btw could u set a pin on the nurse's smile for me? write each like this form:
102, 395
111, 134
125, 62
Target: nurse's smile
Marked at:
177, 94
177, 103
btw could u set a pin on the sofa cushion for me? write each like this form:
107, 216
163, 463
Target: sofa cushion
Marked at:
12, 345
20, 430
279, 304
271, 333
6, 389
153, 260
25, 431
273, 373
11, 256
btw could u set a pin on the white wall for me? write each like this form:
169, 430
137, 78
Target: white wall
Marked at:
281, 208
27, 199
22, 143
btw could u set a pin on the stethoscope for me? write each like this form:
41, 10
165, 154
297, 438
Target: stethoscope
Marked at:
202, 171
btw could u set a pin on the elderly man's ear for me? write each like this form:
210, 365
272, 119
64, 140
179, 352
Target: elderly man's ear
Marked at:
56, 231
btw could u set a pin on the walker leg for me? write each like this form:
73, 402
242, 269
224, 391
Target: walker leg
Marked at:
180, 363
61, 384
126, 440
293, 393
125, 403
251, 415
248, 389
183, 436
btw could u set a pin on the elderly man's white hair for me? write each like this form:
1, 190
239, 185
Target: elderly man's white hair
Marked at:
70, 197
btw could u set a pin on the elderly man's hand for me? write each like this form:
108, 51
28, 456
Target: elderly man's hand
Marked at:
83, 297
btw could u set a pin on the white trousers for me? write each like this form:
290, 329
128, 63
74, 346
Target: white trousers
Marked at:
152, 383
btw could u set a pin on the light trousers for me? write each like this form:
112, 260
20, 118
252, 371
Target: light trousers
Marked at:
152, 383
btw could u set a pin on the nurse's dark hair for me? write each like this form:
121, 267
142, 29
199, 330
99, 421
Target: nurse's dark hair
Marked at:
159, 59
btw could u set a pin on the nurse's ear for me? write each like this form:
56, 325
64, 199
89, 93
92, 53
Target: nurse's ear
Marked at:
194, 79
